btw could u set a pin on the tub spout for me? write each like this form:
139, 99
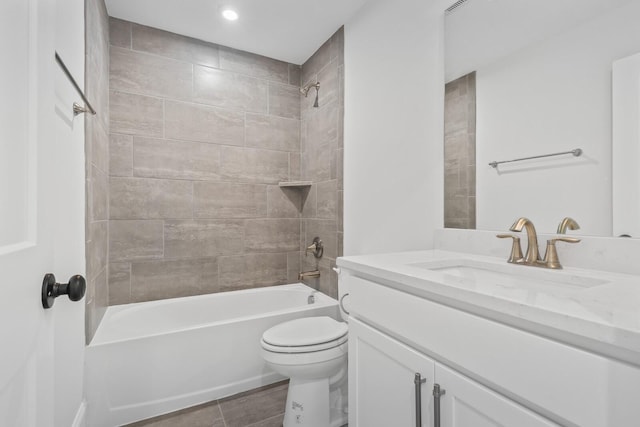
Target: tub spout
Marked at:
308, 274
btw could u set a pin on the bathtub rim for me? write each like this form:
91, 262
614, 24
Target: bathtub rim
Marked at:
322, 300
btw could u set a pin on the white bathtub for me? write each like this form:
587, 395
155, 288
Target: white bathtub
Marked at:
151, 358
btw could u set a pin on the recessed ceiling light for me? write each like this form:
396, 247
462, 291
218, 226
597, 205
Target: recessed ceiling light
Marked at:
230, 14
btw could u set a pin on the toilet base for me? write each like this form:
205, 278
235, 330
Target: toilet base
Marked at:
311, 403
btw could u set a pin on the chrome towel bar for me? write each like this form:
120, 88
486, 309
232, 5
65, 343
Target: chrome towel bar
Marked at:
577, 153
77, 108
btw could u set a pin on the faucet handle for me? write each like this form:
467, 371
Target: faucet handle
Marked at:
516, 250
567, 223
551, 255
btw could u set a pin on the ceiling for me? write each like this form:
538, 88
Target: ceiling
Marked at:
480, 32
288, 30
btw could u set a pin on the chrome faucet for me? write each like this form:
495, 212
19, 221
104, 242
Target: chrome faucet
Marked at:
533, 253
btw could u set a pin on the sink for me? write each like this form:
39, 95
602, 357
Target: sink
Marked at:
465, 271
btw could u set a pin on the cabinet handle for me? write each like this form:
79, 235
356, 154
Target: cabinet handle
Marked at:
437, 392
417, 382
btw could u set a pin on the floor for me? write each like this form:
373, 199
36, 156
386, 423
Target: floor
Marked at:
262, 407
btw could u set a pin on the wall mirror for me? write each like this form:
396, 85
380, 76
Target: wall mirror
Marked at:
528, 78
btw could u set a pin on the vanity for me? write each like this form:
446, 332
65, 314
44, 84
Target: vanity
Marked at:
452, 338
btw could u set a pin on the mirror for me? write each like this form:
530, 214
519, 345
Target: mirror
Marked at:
528, 78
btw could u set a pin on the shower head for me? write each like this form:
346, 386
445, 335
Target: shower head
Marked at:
305, 91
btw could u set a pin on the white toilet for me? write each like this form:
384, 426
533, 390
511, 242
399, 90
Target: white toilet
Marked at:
312, 352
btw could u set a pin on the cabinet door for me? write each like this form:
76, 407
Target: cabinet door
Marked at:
467, 403
382, 373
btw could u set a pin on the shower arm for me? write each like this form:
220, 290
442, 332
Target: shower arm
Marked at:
305, 90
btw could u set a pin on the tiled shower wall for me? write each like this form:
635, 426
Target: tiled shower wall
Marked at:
97, 162
460, 153
322, 160
200, 136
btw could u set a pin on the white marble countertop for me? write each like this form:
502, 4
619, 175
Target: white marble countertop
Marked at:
598, 311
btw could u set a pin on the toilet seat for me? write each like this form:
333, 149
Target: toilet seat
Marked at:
306, 335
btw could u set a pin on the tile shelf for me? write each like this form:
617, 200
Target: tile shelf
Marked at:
295, 184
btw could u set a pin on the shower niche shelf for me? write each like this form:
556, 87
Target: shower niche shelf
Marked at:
295, 184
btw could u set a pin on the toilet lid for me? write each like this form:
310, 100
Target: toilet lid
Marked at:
307, 331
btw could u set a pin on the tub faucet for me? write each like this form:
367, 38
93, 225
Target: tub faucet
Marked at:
308, 274
533, 254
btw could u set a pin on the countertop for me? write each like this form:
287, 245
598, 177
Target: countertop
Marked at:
599, 312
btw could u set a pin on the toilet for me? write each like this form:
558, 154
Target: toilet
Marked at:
312, 352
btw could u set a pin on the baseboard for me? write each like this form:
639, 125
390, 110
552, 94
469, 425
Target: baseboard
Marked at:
81, 415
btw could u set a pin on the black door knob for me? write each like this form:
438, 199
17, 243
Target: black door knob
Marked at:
51, 290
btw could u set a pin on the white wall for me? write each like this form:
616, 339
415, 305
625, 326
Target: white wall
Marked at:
69, 214
554, 96
394, 95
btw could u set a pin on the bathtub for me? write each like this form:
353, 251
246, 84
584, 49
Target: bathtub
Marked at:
150, 358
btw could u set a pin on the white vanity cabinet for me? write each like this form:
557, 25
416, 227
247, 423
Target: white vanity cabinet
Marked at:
385, 387
493, 373
382, 380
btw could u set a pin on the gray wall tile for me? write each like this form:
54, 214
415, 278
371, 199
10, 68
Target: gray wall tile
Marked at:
97, 248
135, 240
140, 198
283, 202
274, 133
119, 33
154, 280
272, 235
253, 65
459, 153
251, 271
135, 114
254, 165
99, 201
229, 200
204, 143
137, 72
328, 78
319, 161
198, 238
294, 166
201, 123
316, 62
284, 100
96, 164
119, 283
120, 155
99, 144
225, 89
327, 199
164, 43
322, 126
295, 74
293, 266
310, 203
158, 158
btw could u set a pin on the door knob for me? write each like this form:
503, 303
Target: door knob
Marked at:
51, 290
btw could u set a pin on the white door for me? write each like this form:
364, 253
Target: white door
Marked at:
467, 403
26, 245
30, 209
382, 375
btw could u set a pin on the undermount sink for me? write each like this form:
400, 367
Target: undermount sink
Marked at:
476, 272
